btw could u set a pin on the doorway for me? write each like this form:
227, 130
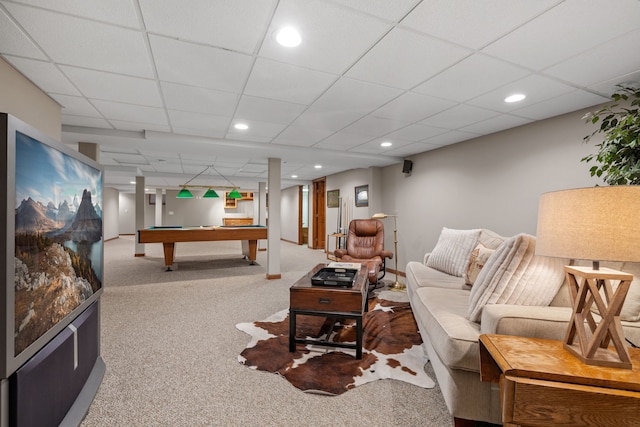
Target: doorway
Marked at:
319, 214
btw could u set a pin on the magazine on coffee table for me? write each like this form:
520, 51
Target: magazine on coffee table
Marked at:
345, 265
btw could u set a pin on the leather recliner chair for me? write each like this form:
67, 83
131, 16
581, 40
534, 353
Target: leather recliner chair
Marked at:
365, 245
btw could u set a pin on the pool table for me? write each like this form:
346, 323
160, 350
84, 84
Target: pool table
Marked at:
169, 235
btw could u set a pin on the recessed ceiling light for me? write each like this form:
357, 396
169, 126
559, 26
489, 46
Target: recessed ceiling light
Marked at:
386, 144
288, 37
294, 176
318, 166
132, 182
515, 97
241, 126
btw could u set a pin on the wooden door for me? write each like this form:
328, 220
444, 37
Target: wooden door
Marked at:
319, 214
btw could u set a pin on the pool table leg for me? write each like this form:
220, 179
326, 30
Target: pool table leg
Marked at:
168, 254
250, 249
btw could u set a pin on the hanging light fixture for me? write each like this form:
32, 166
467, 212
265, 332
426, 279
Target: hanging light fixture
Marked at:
184, 192
234, 194
210, 194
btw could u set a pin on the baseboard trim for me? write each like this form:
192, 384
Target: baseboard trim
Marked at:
262, 249
274, 276
139, 255
392, 271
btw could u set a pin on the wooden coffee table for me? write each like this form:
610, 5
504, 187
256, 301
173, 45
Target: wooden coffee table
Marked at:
328, 301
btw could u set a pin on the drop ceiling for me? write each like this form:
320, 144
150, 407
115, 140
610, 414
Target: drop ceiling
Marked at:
159, 84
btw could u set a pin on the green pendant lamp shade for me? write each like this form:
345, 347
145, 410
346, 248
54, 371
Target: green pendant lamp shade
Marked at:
234, 194
210, 194
184, 193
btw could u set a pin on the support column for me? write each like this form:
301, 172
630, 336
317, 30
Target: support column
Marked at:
139, 249
262, 211
274, 233
158, 207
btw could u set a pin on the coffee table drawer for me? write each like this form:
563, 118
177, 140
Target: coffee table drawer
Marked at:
326, 301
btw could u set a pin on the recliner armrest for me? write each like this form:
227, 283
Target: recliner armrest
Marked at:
340, 252
386, 254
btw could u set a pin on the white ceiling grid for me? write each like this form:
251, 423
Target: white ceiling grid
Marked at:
160, 83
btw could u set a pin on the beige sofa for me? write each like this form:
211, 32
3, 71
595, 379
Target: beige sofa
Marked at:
513, 292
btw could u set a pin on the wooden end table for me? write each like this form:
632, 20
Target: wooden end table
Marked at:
331, 302
542, 384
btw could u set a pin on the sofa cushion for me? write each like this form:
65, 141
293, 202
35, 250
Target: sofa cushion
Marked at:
452, 251
515, 275
421, 275
442, 312
490, 239
477, 260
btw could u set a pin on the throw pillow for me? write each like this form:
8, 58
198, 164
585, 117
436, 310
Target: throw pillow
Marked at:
477, 260
452, 251
515, 275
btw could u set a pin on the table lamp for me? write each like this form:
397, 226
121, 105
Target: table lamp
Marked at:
596, 224
397, 285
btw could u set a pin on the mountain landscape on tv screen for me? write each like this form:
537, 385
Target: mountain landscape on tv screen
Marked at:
51, 279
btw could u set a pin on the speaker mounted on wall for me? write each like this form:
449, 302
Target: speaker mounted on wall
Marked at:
407, 166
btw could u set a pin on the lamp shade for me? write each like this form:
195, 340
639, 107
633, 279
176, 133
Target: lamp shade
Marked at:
234, 194
184, 193
596, 223
210, 194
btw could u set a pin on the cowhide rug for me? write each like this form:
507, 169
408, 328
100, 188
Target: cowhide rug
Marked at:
391, 349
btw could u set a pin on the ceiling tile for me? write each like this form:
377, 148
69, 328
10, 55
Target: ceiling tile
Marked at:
373, 147
231, 24
568, 29
45, 75
114, 87
76, 106
198, 99
414, 133
121, 12
138, 126
600, 63
411, 107
349, 95
301, 136
476, 22
131, 113
332, 36
562, 104
388, 10
496, 124
535, 87
14, 42
342, 141
267, 110
212, 125
459, 116
198, 65
74, 41
404, 59
284, 82
257, 129
411, 149
471, 77
450, 138
373, 126
322, 119
608, 87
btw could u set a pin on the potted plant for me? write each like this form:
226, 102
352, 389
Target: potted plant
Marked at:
619, 153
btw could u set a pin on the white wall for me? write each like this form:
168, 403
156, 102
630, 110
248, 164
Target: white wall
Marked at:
289, 214
110, 213
491, 182
126, 213
346, 182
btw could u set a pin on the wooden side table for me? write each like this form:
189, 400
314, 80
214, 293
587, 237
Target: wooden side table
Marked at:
542, 384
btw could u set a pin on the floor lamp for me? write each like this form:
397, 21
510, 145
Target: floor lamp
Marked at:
397, 285
597, 224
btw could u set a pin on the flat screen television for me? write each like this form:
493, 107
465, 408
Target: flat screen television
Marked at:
52, 259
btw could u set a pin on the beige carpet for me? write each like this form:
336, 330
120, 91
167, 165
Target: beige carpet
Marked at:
170, 345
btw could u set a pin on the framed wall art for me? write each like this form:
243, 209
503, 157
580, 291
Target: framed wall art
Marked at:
333, 198
362, 196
